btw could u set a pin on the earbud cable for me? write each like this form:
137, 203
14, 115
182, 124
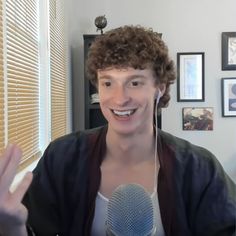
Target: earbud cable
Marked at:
156, 134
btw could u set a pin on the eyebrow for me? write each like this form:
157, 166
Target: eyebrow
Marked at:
135, 76
105, 77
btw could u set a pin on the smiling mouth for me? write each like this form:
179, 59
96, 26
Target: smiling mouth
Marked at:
125, 113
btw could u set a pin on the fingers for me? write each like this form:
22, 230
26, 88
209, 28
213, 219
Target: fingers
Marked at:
13, 214
9, 164
5, 157
20, 190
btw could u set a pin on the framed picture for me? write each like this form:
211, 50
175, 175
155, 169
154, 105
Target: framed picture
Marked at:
190, 77
197, 118
228, 40
228, 89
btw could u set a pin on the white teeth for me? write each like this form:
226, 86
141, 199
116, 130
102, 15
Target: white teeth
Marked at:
123, 113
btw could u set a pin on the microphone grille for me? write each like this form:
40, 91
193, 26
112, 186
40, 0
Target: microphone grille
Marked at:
130, 211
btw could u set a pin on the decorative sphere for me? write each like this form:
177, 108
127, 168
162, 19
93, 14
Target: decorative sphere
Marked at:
100, 22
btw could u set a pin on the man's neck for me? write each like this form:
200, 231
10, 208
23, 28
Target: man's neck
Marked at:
135, 147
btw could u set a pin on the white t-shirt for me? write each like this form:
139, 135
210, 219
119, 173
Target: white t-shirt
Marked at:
98, 226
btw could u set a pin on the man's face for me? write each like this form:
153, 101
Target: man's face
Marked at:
127, 98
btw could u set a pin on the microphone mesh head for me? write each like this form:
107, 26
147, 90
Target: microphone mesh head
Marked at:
130, 211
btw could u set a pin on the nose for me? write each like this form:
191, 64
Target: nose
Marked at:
121, 96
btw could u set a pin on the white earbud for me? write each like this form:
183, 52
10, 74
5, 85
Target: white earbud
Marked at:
158, 96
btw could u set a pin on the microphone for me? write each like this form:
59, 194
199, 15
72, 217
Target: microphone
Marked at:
130, 212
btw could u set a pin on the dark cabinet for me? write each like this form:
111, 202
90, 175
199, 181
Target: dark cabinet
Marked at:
93, 114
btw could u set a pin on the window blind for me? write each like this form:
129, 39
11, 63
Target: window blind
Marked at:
20, 75
22, 70
2, 134
58, 69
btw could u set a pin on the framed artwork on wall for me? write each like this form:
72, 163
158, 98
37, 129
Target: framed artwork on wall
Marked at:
190, 77
228, 47
228, 90
197, 118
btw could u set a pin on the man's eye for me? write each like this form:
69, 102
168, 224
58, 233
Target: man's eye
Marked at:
135, 83
107, 84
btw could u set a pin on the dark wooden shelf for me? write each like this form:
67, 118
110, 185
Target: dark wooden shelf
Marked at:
93, 114
94, 106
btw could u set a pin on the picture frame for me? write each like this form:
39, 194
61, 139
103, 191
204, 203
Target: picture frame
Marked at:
228, 90
228, 41
198, 118
190, 77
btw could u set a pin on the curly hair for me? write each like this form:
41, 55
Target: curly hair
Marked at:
136, 47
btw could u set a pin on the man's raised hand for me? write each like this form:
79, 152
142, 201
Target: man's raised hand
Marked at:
13, 214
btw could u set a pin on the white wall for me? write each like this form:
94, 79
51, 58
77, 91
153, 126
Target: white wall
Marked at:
187, 26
